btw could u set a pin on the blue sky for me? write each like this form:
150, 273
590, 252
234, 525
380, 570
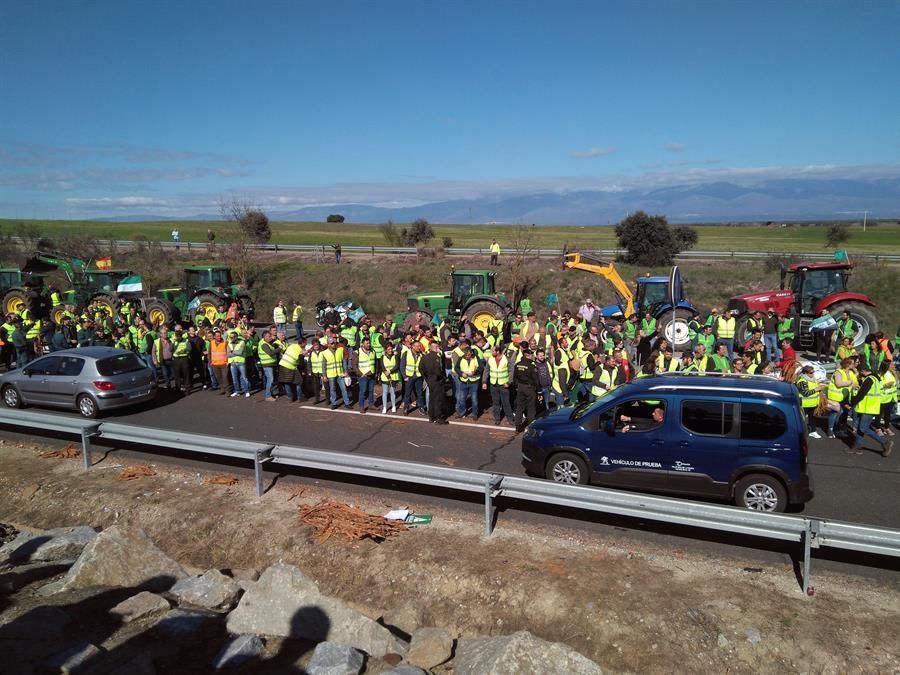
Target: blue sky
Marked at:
168, 107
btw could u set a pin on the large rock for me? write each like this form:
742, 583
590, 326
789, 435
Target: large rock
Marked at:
121, 557
287, 603
430, 647
140, 605
333, 658
520, 652
61, 543
212, 590
237, 652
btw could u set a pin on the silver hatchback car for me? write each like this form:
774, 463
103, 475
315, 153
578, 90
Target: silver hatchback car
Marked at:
89, 379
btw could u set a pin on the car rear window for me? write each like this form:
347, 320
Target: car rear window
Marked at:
120, 364
761, 422
708, 418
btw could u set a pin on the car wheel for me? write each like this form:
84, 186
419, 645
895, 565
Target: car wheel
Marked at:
759, 492
87, 406
11, 398
567, 468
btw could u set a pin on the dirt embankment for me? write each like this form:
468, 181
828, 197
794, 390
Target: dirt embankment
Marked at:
634, 608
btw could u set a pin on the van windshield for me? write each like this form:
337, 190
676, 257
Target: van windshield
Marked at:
584, 408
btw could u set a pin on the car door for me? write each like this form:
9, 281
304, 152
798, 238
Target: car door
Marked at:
704, 447
631, 454
34, 385
62, 386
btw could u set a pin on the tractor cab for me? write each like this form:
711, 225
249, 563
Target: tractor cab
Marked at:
196, 278
105, 281
10, 278
810, 283
651, 292
466, 285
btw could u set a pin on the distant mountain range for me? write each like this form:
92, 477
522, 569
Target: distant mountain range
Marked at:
785, 199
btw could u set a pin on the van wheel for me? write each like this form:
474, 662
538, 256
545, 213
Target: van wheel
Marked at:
759, 492
567, 468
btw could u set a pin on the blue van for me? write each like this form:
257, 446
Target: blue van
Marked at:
735, 438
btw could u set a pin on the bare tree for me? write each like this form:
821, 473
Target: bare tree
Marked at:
246, 224
522, 250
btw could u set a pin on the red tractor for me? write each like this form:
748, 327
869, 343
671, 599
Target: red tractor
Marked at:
807, 289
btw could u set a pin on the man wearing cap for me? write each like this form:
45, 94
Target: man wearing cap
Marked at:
866, 402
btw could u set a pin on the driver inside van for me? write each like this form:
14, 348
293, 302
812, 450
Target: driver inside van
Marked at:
629, 423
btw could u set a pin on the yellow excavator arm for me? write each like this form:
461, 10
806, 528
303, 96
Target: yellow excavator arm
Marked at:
583, 261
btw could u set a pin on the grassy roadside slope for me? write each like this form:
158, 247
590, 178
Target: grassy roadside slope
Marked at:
883, 238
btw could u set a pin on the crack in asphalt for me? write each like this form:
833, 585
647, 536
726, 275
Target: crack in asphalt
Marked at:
494, 451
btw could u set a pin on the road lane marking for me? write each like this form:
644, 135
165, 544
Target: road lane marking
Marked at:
417, 417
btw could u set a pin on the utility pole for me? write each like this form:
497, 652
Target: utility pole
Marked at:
865, 218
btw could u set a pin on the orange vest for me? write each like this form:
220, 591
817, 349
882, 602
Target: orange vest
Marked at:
232, 312
218, 353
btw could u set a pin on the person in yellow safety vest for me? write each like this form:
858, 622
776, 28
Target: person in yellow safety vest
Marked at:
721, 360
335, 372
687, 364
389, 374
268, 354
495, 377
840, 390
237, 364
605, 378
349, 332
279, 316
559, 384
530, 329
587, 362
410, 357
315, 360
666, 362
181, 364
365, 365
495, 252
468, 370
701, 360
297, 320
647, 370
55, 297
809, 398
725, 328
867, 404
888, 376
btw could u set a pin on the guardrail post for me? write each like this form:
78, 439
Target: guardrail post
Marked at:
491, 486
810, 541
259, 457
86, 434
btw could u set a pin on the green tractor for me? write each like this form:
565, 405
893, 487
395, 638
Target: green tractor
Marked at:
205, 287
23, 290
472, 294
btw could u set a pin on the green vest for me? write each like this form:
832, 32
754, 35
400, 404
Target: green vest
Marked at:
349, 334
648, 326
811, 399
786, 329
721, 362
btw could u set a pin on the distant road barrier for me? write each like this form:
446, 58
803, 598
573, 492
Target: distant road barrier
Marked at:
326, 251
807, 531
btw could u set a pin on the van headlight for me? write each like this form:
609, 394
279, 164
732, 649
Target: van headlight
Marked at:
533, 432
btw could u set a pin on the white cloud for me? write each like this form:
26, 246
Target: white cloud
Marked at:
676, 147
592, 152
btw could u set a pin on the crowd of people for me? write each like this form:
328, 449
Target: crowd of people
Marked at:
512, 368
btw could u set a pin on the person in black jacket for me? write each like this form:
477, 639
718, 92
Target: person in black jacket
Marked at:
435, 374
527, 381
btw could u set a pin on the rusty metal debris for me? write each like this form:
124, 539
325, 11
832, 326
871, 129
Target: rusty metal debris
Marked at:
222, 480
135, 472
336, 518
68, 452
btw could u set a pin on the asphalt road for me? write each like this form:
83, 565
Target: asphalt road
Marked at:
849, 487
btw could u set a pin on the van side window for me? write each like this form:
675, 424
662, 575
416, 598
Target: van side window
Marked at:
708, 418
761, 422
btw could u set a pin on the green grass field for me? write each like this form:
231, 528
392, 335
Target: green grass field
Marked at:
882, 238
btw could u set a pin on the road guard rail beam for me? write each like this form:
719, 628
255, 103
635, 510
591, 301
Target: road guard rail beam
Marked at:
326, 251
807, 531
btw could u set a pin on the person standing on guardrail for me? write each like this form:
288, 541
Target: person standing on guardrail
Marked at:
495, 252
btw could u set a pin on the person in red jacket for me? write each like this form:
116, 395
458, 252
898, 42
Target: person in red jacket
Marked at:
787, 353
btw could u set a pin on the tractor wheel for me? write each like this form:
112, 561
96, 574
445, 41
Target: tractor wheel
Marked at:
674, 328
481, 314
410, 324
741, 332
56, 314
17, 300
209, 304
861, 314
160, 312
108, 302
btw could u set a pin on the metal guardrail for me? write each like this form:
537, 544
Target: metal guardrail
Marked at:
808, 531
326, 251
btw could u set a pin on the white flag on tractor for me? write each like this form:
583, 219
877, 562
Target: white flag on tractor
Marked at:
132, 284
